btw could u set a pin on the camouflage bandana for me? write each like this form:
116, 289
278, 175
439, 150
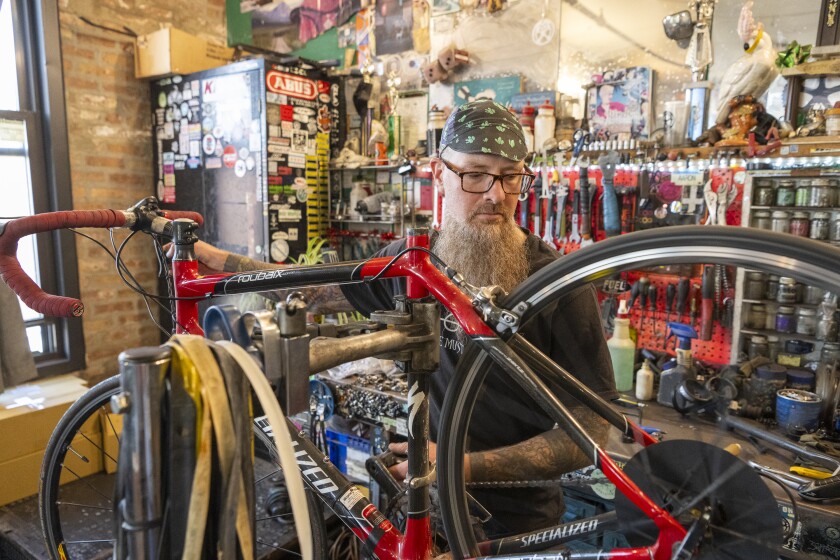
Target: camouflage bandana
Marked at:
484, 127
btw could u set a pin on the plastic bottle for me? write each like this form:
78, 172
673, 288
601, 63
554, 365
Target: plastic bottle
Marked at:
526, 119
544, 125
644, 382
684, 368
622, 350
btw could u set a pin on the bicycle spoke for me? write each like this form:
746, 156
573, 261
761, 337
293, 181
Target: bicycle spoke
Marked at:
84, 479
74, 504
270, 517
113, 429
99, 447
280, 548
91, 541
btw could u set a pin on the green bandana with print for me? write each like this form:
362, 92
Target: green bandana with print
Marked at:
484, 127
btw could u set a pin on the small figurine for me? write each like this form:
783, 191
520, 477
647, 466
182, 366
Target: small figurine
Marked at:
814, 122
754, 71
452, 58
433, 72
744, 113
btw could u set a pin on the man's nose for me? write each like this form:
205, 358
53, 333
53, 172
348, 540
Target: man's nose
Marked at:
497, 192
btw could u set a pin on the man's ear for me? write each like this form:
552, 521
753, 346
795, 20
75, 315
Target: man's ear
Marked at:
437, 174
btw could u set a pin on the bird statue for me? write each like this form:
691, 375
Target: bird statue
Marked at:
753, 73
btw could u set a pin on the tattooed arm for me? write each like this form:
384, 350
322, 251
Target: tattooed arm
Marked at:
320, 299
543, 457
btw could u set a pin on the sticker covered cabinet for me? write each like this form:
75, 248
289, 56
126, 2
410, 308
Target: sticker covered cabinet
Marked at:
247, 145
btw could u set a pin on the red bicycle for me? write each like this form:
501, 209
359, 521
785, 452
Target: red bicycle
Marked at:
718, 506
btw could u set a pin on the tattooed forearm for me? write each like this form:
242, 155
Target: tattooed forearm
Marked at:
542, 457
321, 300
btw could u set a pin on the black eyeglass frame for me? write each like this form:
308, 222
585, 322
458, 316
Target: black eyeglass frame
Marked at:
521, 190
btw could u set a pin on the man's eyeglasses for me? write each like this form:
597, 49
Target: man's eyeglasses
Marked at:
479, 182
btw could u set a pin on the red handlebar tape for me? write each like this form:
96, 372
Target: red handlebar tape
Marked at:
11, 272
175, 214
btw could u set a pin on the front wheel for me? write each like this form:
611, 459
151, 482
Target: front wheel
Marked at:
808, 261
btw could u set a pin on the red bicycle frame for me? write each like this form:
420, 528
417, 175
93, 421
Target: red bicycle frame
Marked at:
423, 278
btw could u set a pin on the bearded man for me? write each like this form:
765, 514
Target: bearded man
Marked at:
480, 169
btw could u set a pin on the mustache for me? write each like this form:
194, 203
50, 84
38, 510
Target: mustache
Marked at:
488, 208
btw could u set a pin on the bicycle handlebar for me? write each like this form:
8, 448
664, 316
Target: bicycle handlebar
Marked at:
27, 290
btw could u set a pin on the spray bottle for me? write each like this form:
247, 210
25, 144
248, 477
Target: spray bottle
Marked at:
684, 368
622, 350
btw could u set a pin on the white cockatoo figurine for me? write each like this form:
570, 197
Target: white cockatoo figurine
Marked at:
753, 73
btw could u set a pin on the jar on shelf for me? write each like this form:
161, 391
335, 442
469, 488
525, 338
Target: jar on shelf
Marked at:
770, 313
832, 122
806, 321
780, 221
822, 193
834, 230
755, 286
761, 219
772, 287
820, 225
786, 193
785, 319
827, 375
803, 193
827, 328
812, 295
763, 193
757, 317
800, 224
758, 347
773, 347
787, 290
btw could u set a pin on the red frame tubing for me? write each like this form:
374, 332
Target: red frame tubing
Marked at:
670, 531
13, 275
186, 310
440, 286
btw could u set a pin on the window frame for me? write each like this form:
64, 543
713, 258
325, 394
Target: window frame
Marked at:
42, 108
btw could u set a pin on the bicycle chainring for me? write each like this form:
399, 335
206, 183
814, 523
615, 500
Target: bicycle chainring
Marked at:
684, 477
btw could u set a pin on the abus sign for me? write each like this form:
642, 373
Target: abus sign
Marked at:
293, 86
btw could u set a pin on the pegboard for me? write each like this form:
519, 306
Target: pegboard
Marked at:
651, 326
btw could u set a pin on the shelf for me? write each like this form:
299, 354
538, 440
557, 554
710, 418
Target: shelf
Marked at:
828, 209
372, 221
781, 335
774, 302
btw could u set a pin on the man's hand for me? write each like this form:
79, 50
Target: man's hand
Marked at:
400, 470
211, 257
211, 260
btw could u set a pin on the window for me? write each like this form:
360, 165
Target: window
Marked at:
35, 167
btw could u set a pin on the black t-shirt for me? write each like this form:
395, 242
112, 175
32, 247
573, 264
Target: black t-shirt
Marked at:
569, 331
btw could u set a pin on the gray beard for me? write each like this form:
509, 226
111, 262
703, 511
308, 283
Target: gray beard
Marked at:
485, 254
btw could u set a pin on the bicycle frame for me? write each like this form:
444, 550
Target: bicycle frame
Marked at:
423, 278
521, 360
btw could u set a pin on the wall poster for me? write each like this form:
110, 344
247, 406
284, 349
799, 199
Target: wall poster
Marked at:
619, 104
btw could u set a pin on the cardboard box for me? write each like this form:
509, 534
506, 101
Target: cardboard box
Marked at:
30, 412
172, 51
21, 475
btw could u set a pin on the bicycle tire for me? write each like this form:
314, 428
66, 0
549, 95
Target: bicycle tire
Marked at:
809, 261
49, 504
53, 464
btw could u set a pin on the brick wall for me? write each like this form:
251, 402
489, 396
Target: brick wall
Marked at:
108, 125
